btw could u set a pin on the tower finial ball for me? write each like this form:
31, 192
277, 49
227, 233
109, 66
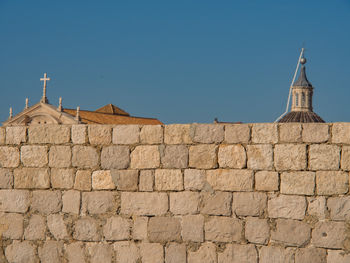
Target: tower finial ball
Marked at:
303, 61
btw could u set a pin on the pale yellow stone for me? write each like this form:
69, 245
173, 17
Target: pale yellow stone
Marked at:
36, 228
329, 234
102, 180
216, 203
174, 156
317, 207
249, 203
60, 156
339, 207
71, 202
324, 157
264, 133
164, 229
203, 156
151, 134
291, 232
144, 157
177, 134
341, 133
192, 228
290, 157
235, 253
168, 180
175, 253
230, 180
315, 132
146, 180
260, 157
100, 134
337, 256
345, 158
62, 178
75, 252
16, 134
232, 156
14, 201
139, 230
32, 178
290, 132
126, 252
143, 203
331, 182
287, 206
207, 133
298, 183
11, 226
194, 179
57, 226
151, 253
9, 157
2, 136
223, 229
54, 134
83, 180
257, 230
237, 133
125, 180
266, 181
182, 203
6, 178
21, 251
269, 254
117, 228
126, 134
206, 253
79, 134
84, 156
34, 156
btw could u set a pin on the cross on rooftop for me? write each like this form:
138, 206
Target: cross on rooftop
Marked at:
44, 79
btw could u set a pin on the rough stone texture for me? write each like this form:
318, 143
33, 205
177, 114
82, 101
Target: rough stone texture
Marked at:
237, 133
86, 229
6, 178
83, 180
203, 156
291, 232
332, 182
164, 229
175, 156
32, 178
298, 183
144, 157
100, 252
20, 252
151, 253
117, 228
125, 180
238, 254
329, 234
207, 133
11, 226
249, 204
345, 158
177, 134
341, 133
192, 228
115, 157
100, 134
230, 180
126, 134
315, 132
206, 253
51, 252
290, 132
126, 252
144, 203
14, 201
257, 230
139, 231
194, 179
102, 180
168, 180
324, 157
264, 133
266, 181
2, 136
337, 256
62, 178
260, 157
46, 202
182, 203
16, 134
71, 202
175, 253
60, 156
57, 226
151, 134
223, 229
99, 202
317, 207
79, 134
287, 206
307, 255
290, 157
339, 207
232, 156
54, 134
146, 181
276, 255
36, 228
84, 157
9, 157
217, 203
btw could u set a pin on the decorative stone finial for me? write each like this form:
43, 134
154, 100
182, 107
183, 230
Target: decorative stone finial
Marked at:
44, 79
27, 101
60, 108
10, 116
77, 116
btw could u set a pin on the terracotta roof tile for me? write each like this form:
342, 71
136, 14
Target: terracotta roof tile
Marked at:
112, 109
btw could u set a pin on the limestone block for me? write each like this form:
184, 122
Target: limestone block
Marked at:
11, 226
9, 157
235, 253
125, 180
6, 178
79, 134
57, 226
217, 203
249, 204
317, 207
237, 133
60, 156
143, 203
298, 183
75, 252
175, 253
329, 234
345, 158
117, 228
337, 256
264, 133
182, 203
19, 252
339, 207
151, 134
269, 254
315, 132
83, 180
146, 181
86, 229
16, 134
126, 252
207, 133
51, 252
46, 202
151, 252
100, 252
62, 178
32, 178
194, 179
206, 253
168, 180
126, 134
314, 255
164, 229
2, 136
100, 134
290, 132
177, 134
102, 180
266, 181
192, 228
36, 228
14, 201
115, 157
230, 180
331, 182
287, 206
145, 157
290, 157
84, 157
260, 157
291, 232
324, 157
53, 134
232, 156
71, 202
174, 156
223, 229
139, 231
99, 202
257, 230
341, 133
203, 156
34, 156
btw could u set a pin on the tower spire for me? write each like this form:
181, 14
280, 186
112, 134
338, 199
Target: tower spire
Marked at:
44, 79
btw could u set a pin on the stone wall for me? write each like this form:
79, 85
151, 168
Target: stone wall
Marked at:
179, 193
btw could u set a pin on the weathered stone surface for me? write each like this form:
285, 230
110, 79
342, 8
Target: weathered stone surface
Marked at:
331, 182
249, 204
151, 252
257, 230
290, 132
126, 134
83, 180
46, 202
79, 134
6, 178
329, 234
75, 252
345, 158
144, 203
237, 133
168, 180
238, 254
266, 181
291, 232
151, 134
315, 132
71, 202
298, 183
206, 253
32, 178
260, 157
139, 230
164, 229
16, 134
223, 229
86, 229
115, 157
285, 206
9, 157
146, 181
54, 134
207, 133
194, 179
102, 180
337, 256
144, 157
177, 134
11, 226
324, 157
203, 156
100, 134
126, 252
192, 228
290, 157
276, 255
60, 156
232, 156
175, 253
117, 228
307, 255
99, 202
339, 207
84, 157
20, 252
217, 203
182, 203
341, 133
100, 252
174, 156
317, 207
2, 135
62, 178
230, 180
264, 133
14, 201
57, 226
36, 228
125, 180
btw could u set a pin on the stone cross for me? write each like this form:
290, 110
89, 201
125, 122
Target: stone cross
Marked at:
44, 79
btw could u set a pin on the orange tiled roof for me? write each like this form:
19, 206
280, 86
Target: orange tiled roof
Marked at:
112, 109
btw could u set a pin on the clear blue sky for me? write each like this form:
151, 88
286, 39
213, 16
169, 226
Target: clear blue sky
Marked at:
179, 61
